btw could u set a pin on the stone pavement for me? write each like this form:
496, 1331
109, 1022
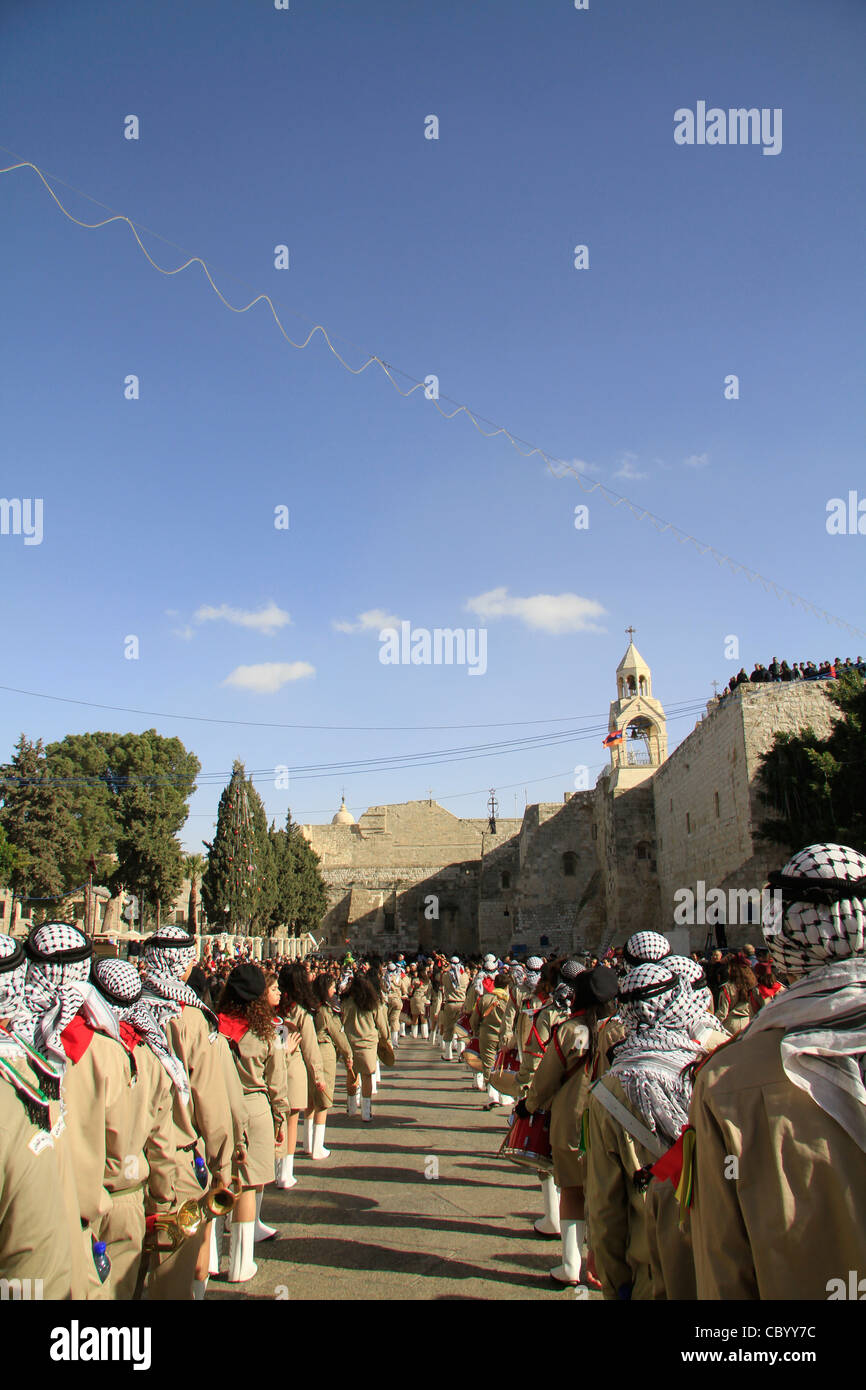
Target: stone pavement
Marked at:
375, 1222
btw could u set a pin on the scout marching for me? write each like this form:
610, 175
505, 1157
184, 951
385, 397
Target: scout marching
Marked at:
687, 1146
140, 1127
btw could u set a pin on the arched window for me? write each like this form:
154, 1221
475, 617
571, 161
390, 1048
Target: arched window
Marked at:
569, 864
506, 879
641, 849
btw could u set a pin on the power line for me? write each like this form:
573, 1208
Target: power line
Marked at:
556, 466
314, 728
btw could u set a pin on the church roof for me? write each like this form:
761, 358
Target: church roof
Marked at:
343, 816
632, 661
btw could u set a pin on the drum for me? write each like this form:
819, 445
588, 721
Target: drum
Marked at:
503, 1076
528, 1143
461, 1027
472, 1055
385, 1053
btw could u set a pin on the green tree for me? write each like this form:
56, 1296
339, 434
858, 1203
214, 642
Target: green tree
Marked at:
37, 821
7, 859
130, 798
235, 876
300, 899
813, 786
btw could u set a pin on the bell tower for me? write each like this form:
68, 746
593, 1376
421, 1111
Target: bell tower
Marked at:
637, 737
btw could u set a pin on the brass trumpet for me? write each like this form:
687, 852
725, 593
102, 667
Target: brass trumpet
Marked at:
188, 1220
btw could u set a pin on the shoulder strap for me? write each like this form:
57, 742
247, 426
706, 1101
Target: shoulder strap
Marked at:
629, 1122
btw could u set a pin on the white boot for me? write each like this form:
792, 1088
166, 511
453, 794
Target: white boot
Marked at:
493, 1095
217, 1226
402, 1030
199, 1288
366, 1107
375, 1083
263, 1232
572, 1239
415, 1029
353, 1104
308, 1134
285, 1172
425, 1030
446, 1051
461, 1048
548, 1224
378, 1073
241, 1265
319, 1150
479, 1080
395, 1038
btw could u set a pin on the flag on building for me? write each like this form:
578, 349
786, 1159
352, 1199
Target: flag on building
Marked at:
615, 737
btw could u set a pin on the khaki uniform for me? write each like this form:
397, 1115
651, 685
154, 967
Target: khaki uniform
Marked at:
636, 1238
795, 1217
394, 1006
420, 999
262, 1073
363, 1031
487, 1019
331, 1037
140, 1159
83, 1278
508, 1023
736, 1010
535, 1030
207, 1123
304, 1066
561, 1084
98, 1110
453, 1002
34, 1228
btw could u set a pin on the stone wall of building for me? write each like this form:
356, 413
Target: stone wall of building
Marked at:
706, 804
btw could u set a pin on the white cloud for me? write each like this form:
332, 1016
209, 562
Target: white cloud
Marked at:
697, 461
269, 676
267, 621
581, 465
627, 468
548, 612
185, 632
372, 621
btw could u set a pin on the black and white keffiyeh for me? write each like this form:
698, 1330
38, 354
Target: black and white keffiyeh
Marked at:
455, 971
645, 946
649, 1062
167, 957
563, 995
13, 972
120, 985
816, 912
819, 928
57, 988
693, 1009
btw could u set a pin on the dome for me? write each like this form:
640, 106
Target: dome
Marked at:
343, 817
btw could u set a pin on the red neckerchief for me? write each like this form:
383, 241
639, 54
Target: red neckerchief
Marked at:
76, 1038
233, 1027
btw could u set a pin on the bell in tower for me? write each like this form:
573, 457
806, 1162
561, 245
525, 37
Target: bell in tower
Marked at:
637, 737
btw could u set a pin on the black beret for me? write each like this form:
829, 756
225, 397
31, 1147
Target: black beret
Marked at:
246, 982
596, 986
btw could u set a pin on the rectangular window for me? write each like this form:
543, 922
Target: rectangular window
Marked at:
716, 803
688, 824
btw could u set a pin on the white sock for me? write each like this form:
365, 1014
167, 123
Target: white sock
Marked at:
366, 1107
199, 1289
548, 1224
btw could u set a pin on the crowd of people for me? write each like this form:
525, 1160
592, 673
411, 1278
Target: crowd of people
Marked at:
697, 1124
779, 672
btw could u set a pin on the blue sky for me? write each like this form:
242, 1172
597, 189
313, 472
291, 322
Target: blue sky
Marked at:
455, 257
